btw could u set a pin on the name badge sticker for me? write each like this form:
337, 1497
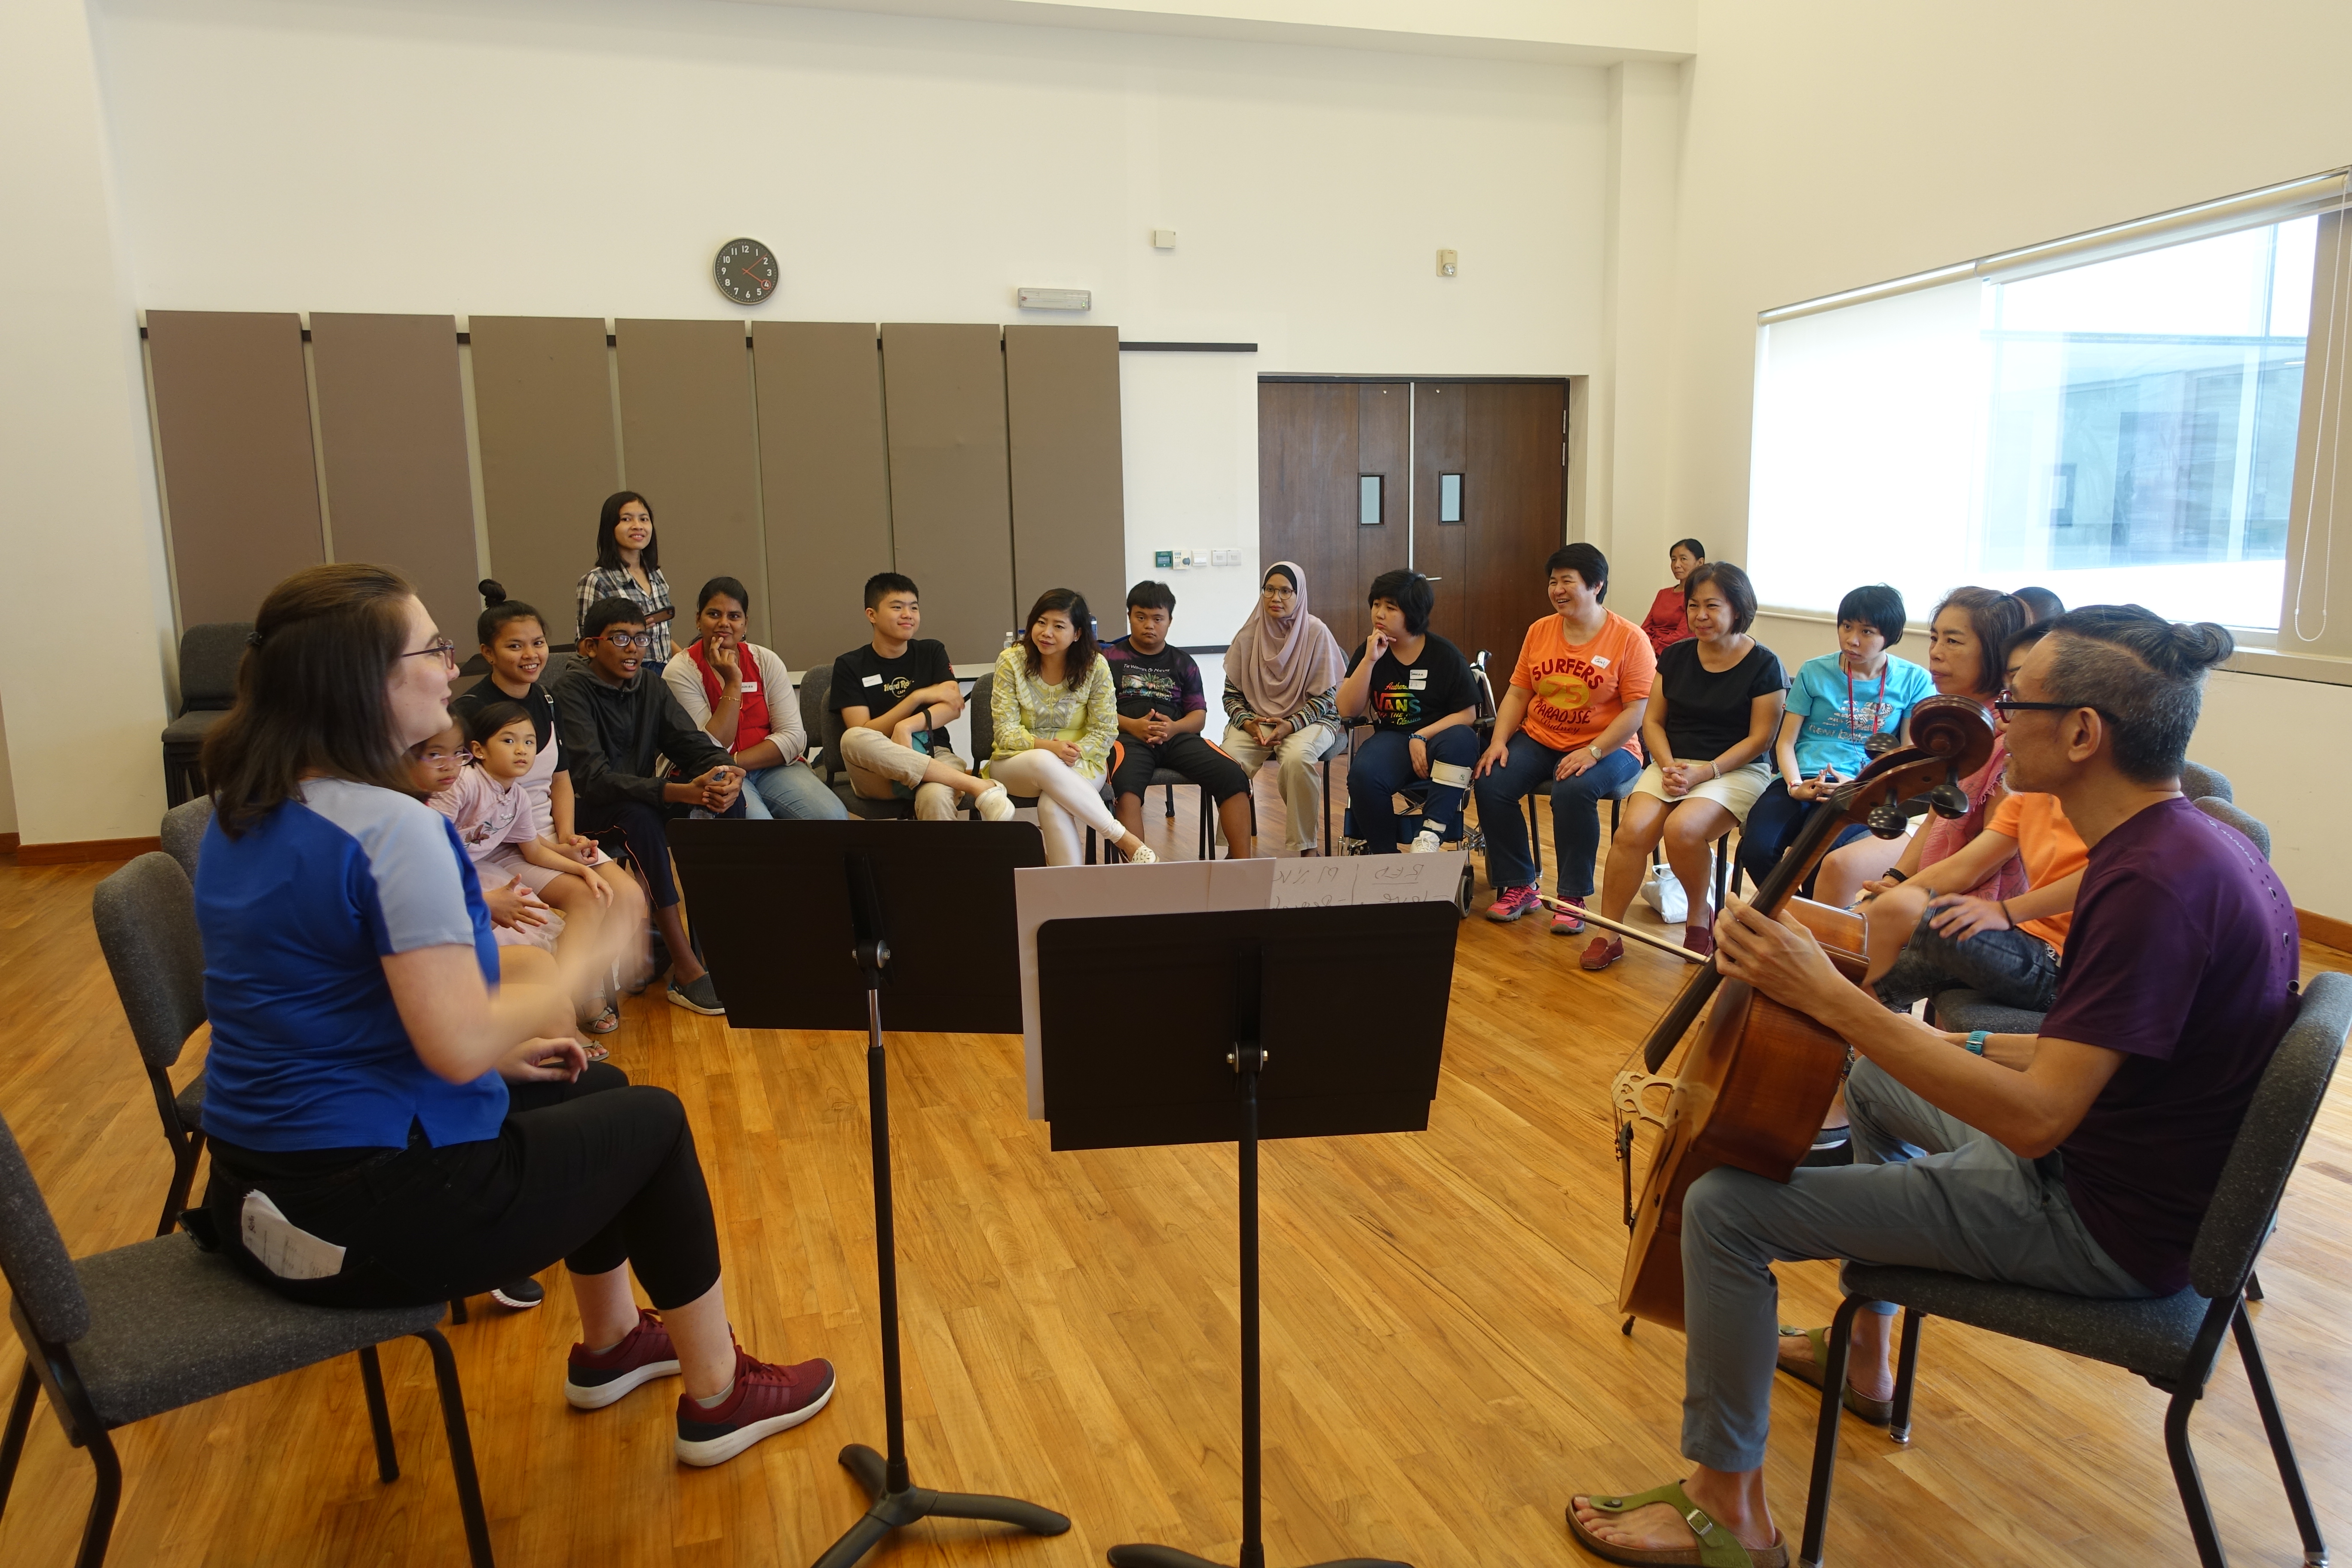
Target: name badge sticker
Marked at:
1417, 681
750, 686
1599, 661
871, 680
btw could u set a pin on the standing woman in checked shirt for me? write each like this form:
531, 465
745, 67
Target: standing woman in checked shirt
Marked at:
628, 566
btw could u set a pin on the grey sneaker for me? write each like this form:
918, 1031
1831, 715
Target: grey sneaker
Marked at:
698, 995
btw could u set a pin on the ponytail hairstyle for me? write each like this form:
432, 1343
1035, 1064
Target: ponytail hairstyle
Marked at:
608, 549
1079, 660
1996, 618
310, 692
498, 611
2141, 673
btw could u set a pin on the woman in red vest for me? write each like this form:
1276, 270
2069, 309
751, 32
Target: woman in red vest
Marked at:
1664, 623
741, 696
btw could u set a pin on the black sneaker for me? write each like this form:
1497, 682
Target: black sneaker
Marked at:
521, 1295
698, 995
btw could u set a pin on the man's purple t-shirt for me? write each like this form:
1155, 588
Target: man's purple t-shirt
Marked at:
2182, 955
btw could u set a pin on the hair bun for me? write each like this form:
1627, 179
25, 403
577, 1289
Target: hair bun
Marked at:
493, 593
2201, 644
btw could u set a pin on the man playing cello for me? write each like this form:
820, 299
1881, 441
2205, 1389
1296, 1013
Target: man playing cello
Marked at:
2079, 1161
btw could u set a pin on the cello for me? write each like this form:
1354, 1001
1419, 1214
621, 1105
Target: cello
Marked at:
1760, 1077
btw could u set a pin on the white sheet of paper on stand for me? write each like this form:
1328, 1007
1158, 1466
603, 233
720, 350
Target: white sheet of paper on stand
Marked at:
1303, 884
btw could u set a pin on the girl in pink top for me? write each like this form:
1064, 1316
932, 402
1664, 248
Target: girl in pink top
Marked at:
491, 806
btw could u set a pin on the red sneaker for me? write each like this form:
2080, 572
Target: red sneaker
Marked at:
767, 1399
1510, 903
596, 1378
1566, 922
1605, 951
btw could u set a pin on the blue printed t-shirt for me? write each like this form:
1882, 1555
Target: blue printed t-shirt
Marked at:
1841, 712
298, 914
1167, 682
2182, 955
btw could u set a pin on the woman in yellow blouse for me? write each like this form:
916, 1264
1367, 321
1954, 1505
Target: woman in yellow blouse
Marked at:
1056, 716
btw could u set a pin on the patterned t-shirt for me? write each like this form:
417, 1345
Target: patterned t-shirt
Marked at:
1574, 693
1168, 682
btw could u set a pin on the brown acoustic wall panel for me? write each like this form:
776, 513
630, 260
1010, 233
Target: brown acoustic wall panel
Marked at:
543, 410
392, 433
950, 515
688, 441
240, 477
1062, 425
824, 482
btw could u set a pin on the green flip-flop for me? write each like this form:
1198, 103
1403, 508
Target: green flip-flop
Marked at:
1717, 1548
1877, 1411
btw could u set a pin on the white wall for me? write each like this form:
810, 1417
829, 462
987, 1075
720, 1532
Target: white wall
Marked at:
1829, 143
559, 158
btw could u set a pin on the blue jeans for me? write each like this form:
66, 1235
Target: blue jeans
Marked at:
1384, 765
1575, 813
1772, 826
790, 791
1931, 1192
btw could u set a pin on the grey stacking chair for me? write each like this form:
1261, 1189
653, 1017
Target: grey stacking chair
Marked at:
123, 1335
2172, 1341
824, 727
146, 919
2222, 808
183, 832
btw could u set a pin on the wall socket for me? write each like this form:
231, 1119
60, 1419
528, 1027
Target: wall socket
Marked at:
1186, 560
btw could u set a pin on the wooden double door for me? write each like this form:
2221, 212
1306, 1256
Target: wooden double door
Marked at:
1465, 481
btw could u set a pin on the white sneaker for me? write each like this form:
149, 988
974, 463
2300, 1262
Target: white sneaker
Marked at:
994, 805
1426, 843
1142, 856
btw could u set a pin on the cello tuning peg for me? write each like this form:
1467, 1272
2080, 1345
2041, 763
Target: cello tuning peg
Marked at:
1948, 800
1878, 745
1887, 821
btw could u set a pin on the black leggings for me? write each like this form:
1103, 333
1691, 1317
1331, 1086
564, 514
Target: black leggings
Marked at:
596, 1173
646, 828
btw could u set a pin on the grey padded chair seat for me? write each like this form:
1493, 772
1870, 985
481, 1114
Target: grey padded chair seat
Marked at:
183, 832
1966, 1010
170, 1324
190, 727
2151, 1338
2220, 808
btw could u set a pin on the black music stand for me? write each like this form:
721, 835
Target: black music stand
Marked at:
805, 925
1203, 1073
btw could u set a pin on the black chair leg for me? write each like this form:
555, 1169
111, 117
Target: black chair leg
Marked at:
1170, 813
1535, 838
1825, 1436
183, 1174
100, 1531
2253, 1286
2306, 1523
387, 1459
1906, 1369
2192, 1484
20, 1421
461, 1448
456, 1308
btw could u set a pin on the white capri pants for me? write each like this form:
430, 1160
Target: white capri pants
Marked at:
1066, 801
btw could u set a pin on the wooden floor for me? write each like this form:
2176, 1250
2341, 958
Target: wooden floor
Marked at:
1444, 1364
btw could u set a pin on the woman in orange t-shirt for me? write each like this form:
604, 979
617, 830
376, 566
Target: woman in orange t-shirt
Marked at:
1567, 724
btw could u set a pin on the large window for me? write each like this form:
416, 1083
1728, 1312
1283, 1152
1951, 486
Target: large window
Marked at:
2116, 419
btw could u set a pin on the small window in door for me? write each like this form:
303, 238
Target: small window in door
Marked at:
1368, 499
1449, 497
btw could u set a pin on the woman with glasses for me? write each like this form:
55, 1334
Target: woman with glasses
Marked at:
628, 566
1968, 644
1282, 682
390, 1125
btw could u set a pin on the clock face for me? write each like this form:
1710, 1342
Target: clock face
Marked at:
745, 271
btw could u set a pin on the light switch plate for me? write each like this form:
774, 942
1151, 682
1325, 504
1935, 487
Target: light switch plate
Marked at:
1163, 559
1163, 239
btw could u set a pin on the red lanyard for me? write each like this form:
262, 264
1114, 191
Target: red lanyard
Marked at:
1853, 719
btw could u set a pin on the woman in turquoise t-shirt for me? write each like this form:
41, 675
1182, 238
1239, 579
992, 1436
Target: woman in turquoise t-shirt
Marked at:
1836, 703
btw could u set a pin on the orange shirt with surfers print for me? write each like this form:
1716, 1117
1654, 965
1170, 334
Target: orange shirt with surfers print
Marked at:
1574, 693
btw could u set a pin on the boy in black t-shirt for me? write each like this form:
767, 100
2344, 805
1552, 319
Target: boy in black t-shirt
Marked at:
1417, 692
1162, 712
896, 696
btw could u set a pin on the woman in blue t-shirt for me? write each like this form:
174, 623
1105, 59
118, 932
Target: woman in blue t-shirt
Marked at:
1836, 703
389, 1124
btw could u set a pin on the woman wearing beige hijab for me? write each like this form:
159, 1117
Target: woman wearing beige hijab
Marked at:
1282, 672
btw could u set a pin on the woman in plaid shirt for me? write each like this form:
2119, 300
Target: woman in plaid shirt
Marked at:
628, 566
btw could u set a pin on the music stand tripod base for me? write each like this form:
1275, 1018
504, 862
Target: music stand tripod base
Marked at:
896, 1510
1168, 1557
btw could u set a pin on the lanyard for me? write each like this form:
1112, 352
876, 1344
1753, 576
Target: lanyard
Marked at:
1853, 719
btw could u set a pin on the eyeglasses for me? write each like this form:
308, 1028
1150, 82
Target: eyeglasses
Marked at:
2006, 705
442, 647
1275, 591
628, 640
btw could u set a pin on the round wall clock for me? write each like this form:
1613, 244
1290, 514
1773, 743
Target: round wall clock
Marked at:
745, 271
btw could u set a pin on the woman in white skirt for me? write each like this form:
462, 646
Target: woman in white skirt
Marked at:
1713, 713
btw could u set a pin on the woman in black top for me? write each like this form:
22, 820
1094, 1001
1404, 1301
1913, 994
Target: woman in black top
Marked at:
1416, 691
1713, 713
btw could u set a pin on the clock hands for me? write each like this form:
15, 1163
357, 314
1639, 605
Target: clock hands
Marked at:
764, 283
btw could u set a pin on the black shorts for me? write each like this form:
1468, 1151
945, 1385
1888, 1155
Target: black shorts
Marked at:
1132, 764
